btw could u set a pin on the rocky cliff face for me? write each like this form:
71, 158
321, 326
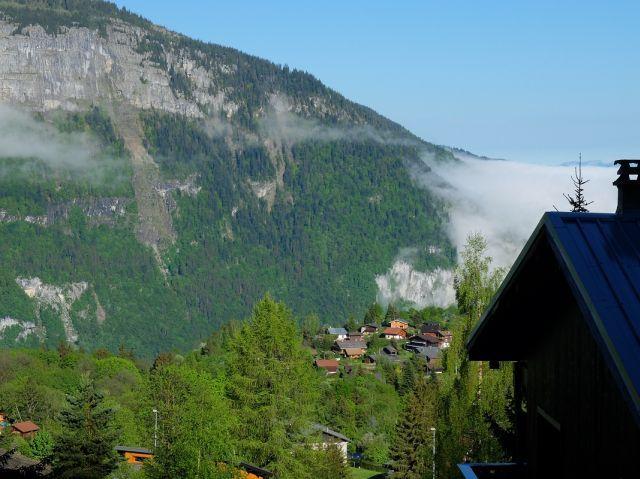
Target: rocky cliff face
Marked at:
79, 67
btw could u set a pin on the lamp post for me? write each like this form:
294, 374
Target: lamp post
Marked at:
433, 461
155, 430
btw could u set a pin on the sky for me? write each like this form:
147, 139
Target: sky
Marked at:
532, 81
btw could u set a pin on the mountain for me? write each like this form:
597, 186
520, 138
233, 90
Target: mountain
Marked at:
153, 186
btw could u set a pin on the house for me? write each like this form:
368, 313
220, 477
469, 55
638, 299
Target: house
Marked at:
430, 328
353, 353
134, 455
390, 351
369, 359
341, 333
356, 336
369, 329
578, 280
26, 429
432, 355
399, 323
17, 466
422, 340
329, 365
342, 345
328, 438
394, 333
249, 471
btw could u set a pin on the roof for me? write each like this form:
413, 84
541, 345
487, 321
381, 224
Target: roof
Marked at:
329, 432
429, 352
18, 462
355, 333
351, 344
137, 450
353, 351
394, 331
425, 337
337, 331
400, 321
255, 470
327, 363
599, 257
430, 327
389, 349
25, 427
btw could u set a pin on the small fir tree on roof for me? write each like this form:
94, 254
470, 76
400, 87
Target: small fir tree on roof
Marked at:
578, 202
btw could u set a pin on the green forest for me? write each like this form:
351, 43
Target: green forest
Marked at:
250, 394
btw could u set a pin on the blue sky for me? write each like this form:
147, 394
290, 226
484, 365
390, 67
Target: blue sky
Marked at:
535, 81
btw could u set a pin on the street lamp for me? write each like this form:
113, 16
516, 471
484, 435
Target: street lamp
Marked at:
433, 461
155, 430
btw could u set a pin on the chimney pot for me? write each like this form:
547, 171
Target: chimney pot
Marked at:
628, 184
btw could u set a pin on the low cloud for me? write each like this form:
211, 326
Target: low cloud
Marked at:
22, 136
504, 200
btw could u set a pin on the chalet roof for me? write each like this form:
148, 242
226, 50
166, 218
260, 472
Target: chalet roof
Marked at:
430, 328
352, 344
390, 349
425, 337
337, 331
138, 450
18, 462
25, 427
324, 363
259, 471
429, 352
599, 257
394, 331
329, 432
353, 351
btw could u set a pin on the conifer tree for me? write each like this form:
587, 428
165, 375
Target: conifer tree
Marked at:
412, 452
577, 201
273, 390
374, 314
85, 448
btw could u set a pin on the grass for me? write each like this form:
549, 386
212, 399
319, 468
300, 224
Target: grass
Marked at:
358, 473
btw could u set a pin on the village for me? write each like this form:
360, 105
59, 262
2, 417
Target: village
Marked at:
395, 341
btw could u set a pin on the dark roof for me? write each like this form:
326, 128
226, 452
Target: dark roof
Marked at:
25, 427
358, 344
337, 331
138, 450
599, 257
429, 352
258, 471
329, 432
390, 349
425, 337
430, 328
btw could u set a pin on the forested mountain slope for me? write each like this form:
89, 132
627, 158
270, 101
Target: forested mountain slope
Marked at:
153, 186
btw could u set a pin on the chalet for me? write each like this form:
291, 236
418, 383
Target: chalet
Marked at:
369, 329
249, 471
353, 353
328, 438
430, 328
134, 455
390, 351
17, 466
342, 345
578, 280
394, 333
356, 336
341, 333
26, 429
399, 323
423, 340
432, 355
329, 365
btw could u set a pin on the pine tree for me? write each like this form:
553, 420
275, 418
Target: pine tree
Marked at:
374, 314
392, 313
577, 201
85, 448
412, 453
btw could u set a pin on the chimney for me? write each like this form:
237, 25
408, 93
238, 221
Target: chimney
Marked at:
628, 184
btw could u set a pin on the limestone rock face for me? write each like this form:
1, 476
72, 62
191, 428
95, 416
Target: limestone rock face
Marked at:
78, 66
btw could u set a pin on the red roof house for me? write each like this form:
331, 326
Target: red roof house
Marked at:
25, 429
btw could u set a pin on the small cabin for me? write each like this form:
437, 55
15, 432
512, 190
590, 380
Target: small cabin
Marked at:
330, 366
329, 437
249, 471
577, 386
26, 429
340, 333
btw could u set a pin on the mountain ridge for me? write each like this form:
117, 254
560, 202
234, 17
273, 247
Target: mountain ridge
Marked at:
239, 177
